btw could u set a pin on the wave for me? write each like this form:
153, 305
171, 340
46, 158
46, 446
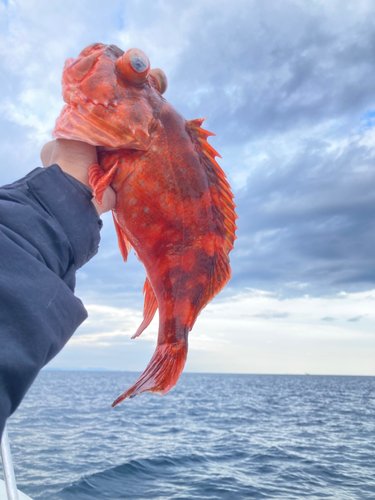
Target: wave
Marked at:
158, 477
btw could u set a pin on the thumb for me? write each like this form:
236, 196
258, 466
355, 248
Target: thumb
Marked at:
108, 201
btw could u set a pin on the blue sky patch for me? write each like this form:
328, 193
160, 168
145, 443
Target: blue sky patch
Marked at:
368, 120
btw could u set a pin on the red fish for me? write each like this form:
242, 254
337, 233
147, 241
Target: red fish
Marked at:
174, 205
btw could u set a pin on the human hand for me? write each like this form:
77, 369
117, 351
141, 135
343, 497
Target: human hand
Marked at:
75, 158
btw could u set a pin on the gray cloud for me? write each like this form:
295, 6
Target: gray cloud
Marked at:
263, 70
271, 315
356, 318
310, 220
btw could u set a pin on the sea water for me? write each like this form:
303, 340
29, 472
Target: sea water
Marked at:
212, 437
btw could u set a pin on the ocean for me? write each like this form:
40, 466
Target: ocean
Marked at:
212, 437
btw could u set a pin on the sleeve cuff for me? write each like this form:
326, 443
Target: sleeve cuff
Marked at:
68, 201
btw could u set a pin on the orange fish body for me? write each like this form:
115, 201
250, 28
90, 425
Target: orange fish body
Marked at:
174, 205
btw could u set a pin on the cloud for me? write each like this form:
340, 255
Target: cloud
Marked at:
356, 318
268, 315
310, 219
258, 79
232, 336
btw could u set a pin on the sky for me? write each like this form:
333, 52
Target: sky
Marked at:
289, 90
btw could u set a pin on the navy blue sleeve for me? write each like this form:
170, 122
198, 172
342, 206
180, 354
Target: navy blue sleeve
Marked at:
49, 228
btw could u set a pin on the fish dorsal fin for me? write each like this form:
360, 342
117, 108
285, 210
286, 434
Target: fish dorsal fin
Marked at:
149, 308
223, 205
123, 242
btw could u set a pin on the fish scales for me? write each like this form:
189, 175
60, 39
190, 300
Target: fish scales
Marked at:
173, 203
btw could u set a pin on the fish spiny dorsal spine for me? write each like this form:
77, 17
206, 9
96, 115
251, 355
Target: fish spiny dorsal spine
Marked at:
223, 206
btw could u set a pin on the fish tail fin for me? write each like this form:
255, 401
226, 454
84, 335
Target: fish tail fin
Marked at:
162, 372
100, 180
149, 309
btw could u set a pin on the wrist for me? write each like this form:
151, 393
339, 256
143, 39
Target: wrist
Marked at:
80, 174
73, 157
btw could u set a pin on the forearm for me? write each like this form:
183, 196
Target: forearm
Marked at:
48, 229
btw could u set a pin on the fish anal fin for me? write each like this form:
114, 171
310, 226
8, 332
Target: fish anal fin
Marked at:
162, 372
149, 308
100, 180
123, 242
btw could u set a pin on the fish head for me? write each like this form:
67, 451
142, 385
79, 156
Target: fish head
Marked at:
112, 98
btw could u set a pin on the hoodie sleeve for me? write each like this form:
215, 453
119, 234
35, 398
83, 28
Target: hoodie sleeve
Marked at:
49, 228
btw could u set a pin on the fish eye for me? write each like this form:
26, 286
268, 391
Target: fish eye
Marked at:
133, 66
160, 79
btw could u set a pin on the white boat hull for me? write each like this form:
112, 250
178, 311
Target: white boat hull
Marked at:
3, 493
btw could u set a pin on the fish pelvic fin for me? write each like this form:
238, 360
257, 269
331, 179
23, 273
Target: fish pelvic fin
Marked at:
123, 242
224, 209
149, 308
100, 180
162, 372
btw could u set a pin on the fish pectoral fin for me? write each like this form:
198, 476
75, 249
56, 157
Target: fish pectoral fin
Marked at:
149, 308
162, 372
100, 180
123, 242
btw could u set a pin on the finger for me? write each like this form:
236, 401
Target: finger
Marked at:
46, 153
108, 201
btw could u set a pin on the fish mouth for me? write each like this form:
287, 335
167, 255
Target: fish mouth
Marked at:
111, 150
107, 148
